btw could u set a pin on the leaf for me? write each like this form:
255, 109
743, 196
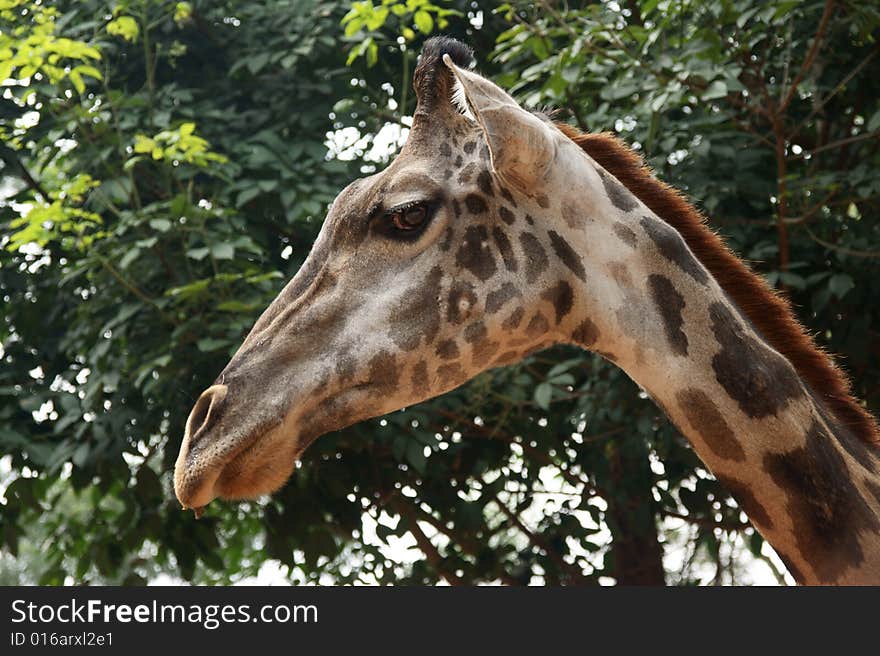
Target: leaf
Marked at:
372, 54
247, 195
619, 90
148, 486
182, 12
143, 144
424, 22
91, 71
756, 541
563, 379
197, 254
257, 62
840, 284
223, 251
208, 344
125, 27
162, 225
81, 455
77, 81
543, 394
716, 90
415, 456
129, 257
377, 19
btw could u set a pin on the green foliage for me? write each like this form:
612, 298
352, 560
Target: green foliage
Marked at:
31, 49
125, 27
175, 146
61, 218
390, 20
166, 168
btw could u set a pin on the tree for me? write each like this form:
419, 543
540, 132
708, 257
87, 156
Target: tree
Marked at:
167, 165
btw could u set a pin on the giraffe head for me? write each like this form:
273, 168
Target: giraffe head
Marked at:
449, 262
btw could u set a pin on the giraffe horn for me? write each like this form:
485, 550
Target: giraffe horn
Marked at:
432, 80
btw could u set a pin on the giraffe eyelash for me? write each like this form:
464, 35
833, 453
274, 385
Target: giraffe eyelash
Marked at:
403, 207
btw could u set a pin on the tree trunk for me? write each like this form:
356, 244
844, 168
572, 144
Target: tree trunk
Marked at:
636, 554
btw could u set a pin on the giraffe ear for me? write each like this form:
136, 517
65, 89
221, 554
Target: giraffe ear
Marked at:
521, 145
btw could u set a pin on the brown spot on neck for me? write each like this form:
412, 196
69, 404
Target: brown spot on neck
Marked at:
536, 256
758, 379
705, 418
514, 319
747, 501
828, 511
669, 303
621, 197
586, 334
537, 326
624, 233
420, 378
506, 250
383, 370
496, 299
671, 246
447, 349
561, 296
567, 254
572, 216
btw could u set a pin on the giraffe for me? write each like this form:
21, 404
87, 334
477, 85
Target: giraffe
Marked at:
496, 233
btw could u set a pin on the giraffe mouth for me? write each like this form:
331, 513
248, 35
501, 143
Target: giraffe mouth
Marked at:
203, 469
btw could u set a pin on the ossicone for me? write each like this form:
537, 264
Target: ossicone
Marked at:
432, 80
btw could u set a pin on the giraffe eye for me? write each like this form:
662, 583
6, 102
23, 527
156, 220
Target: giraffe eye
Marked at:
406, 221
409, 217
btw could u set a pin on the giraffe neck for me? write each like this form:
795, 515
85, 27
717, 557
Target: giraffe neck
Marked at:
809, 485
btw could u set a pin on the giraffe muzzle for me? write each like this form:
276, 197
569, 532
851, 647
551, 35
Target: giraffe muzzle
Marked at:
193, 480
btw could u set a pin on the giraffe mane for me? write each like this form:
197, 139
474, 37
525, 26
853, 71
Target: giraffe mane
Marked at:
769, 312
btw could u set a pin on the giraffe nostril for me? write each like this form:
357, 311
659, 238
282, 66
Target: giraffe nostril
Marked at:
206, 410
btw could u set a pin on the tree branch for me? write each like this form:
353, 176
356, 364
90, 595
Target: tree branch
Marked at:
841, 249
134, 289
425, 544
471, 547
11, 158
811, 55
781, 192
843, 142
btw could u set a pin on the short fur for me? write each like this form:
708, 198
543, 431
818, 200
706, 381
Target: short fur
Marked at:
770, 313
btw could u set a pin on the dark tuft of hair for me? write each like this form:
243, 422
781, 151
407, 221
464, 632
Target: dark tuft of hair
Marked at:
431, 79
437, 46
